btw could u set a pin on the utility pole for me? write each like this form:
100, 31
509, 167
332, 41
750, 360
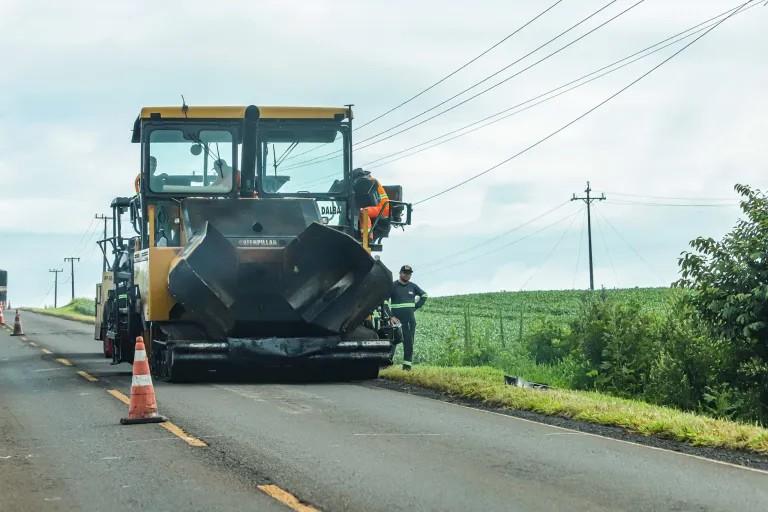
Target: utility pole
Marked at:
72, 273
589, 200
55, 285
105, 219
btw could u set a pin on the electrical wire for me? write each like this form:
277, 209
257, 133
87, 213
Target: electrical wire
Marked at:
631, 247
578, 253
550, 254
584, 80
622, 194
583, 115
689, 205
502, 247
492, 239
499, 71
462, 67
607, 252
370, 142
547, 96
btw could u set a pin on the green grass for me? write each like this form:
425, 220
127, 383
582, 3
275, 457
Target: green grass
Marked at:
80, 310
487, 385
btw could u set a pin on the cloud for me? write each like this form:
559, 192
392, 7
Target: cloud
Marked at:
76, 74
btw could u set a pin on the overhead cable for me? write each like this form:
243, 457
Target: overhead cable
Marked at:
547, 96
460, 68
583, 115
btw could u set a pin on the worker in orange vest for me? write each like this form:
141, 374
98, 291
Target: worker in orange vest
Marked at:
378, 195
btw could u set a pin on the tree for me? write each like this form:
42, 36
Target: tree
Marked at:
728, 280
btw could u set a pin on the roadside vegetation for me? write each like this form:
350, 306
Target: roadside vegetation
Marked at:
700, 346
80, 309
486, 384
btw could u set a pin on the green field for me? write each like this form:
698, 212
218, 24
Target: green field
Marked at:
80, 309
499, 322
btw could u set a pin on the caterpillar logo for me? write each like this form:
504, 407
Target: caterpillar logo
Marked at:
259, 242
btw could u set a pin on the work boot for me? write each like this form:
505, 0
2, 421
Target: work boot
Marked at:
406, 367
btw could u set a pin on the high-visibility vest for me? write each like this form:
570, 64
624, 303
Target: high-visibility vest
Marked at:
382, 205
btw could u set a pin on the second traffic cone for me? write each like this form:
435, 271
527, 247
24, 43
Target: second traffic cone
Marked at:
17, 330
2, 318
143, 406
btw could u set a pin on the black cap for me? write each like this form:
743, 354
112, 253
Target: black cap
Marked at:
407, 269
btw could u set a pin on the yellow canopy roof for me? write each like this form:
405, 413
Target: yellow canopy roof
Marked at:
233, 112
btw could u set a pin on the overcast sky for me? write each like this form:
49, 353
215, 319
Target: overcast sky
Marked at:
76, 73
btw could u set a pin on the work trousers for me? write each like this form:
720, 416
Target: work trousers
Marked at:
408, 320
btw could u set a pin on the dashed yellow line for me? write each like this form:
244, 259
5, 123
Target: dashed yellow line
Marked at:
32, 344
87, 376
64, 361
167, 425
115, 393
179, 432
45, 351
286, 498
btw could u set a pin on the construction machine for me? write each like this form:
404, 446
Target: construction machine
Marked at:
248, 244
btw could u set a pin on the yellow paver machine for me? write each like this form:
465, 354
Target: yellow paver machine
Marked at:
249, 247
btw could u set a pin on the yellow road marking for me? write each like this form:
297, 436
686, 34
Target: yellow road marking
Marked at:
23, 338
65, 362
179, 432
115, 393
286, 498
45, 351
87, 376
32, 344
167, 425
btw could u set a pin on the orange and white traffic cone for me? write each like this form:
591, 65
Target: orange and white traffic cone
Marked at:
143, 406
17, 330
2, 318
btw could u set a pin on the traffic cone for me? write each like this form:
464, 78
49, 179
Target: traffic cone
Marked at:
2, 318
17, 330
143, 406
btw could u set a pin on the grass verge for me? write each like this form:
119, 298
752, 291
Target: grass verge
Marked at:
487, 386
77, 310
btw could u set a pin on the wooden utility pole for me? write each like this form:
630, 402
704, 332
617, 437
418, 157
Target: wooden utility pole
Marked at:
589, 200
72, 273
55, 285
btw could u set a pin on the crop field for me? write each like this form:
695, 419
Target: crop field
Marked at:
501, 320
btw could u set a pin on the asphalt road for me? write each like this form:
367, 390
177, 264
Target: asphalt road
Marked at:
332, 446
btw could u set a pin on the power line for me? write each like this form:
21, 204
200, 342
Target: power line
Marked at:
674, 197
578, 256
580, 117
607, 252
501, 235
463, 66
371, 142
631, 247
550, 254
502, 247
683, 205
548, 96
476, 84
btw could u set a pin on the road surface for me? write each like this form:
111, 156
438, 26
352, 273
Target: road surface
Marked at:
332, 447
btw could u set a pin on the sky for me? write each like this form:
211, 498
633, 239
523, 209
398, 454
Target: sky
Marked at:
76, 73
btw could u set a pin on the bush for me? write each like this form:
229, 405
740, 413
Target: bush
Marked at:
728, 280
549, 342
618, 343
